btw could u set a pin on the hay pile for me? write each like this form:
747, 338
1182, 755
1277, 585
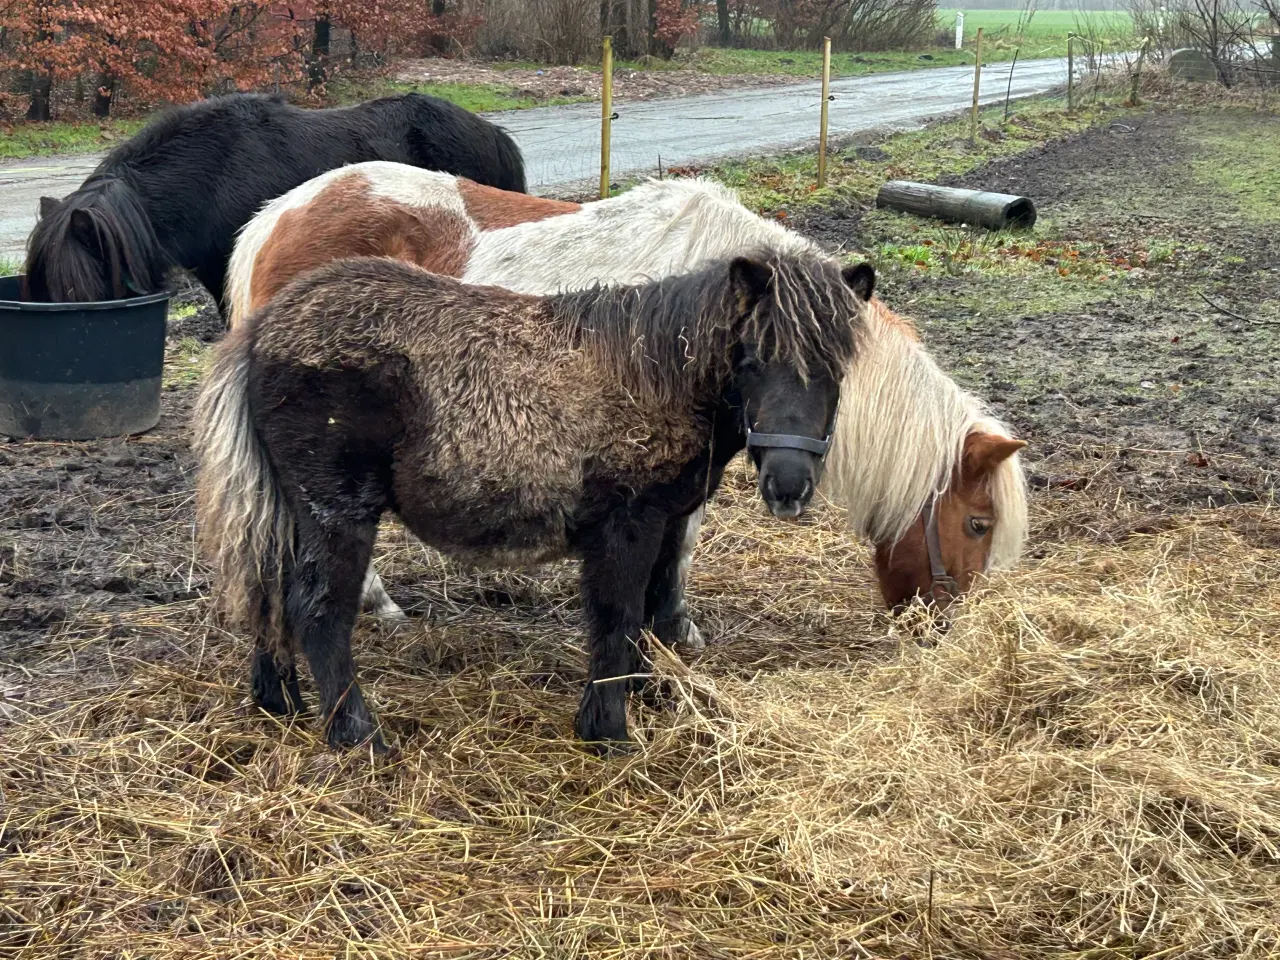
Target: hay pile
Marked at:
1086, 766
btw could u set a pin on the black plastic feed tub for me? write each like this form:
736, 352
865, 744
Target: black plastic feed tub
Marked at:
79, 371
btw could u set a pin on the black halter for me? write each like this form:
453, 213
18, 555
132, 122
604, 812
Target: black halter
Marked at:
942, 581
787, 441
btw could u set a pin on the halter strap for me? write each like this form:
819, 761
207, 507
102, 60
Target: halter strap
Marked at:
789, 441
942, 581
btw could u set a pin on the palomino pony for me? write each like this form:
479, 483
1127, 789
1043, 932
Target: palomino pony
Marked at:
177, 192
503, 428
964, 509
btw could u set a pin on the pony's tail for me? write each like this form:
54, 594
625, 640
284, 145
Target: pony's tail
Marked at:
244, 522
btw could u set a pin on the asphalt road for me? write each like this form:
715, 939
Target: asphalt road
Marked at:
561, 144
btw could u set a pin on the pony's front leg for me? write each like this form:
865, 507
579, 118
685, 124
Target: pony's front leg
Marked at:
322, 600
618, 559
664, 604
274, 681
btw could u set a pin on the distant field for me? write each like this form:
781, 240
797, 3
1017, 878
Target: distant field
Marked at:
1044, 34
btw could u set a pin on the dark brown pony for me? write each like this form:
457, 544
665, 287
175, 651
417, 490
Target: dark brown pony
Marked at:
503, 428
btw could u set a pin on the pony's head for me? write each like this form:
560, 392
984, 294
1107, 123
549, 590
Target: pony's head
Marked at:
931, 479
789, 391
97, 244
951, 541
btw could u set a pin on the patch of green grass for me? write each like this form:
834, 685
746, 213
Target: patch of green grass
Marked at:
780, 185
46, 139
184, 364
1238, 154
926, 247
10, 267
478, 98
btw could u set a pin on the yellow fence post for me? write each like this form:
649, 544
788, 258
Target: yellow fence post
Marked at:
977, 85
606, 115
826, 98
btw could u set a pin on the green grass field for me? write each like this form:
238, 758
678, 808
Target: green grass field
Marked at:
805, 64
1044, 34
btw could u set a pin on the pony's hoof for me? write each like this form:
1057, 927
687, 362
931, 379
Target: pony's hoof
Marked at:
610, 748
602, 720
347, 730
390, 613
273, 690
689, 639
658, 695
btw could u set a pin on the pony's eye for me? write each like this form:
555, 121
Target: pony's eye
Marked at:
979, 526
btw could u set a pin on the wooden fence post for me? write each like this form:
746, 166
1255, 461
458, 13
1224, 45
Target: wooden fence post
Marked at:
606, 115
1071, 73
977, 85
826, 95
1137, 73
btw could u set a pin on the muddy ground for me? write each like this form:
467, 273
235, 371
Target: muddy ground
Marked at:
1136, 392
133, 755
1134, 337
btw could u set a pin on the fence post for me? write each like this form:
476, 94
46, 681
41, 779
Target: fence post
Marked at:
1137, 73
1071, 73
606, 115
960, 30
826, 94
977, 84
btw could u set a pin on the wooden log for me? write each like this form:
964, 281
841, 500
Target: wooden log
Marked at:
995, 211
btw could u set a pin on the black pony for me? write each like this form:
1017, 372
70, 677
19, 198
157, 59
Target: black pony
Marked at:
178, 192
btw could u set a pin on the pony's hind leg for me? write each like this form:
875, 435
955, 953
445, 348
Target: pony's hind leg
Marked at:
618, 558
322, 600
664, 604
374, 598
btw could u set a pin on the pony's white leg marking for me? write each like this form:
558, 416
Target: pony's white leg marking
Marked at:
373, 597
689, 637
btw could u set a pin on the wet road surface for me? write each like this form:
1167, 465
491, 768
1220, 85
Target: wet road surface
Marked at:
561, 144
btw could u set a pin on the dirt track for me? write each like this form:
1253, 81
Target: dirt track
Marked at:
560, 143
1121, 374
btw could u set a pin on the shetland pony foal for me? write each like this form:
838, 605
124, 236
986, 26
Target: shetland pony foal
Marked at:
506, 428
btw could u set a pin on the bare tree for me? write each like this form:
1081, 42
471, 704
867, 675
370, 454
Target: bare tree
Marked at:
1221, 29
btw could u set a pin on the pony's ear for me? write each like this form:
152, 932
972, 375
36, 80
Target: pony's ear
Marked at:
47, 206
983, 452
861, 280
83, 228
750, 280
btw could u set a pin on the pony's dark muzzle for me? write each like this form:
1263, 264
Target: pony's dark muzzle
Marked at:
787, 481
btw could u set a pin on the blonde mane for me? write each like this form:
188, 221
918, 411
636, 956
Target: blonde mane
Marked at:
900, 436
